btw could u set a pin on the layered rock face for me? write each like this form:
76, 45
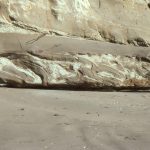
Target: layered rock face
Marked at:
90, 44
119, 21
72, 63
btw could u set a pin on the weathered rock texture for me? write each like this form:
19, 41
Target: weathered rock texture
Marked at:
119, 21
65, 62
51, 61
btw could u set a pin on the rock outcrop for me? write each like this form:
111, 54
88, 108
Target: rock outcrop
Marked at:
71, 63
118, 21
90, 44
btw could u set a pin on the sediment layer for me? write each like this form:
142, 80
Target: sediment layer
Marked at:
28, 63
117, 21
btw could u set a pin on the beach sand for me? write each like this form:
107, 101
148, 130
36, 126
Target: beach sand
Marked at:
33, 119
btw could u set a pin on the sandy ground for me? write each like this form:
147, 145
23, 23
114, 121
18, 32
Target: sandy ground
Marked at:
73, 120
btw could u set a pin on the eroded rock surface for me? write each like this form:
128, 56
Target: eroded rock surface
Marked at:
118, 21
80, 70
56, 65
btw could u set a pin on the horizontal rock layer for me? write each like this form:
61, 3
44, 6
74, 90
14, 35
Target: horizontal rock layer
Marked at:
118, 21
27, 61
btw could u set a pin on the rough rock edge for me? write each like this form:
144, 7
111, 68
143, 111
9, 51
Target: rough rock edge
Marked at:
75, 71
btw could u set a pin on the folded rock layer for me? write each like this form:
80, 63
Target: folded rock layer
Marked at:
49, 62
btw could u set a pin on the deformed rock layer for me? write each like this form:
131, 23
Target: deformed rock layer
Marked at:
36, 67
79, 70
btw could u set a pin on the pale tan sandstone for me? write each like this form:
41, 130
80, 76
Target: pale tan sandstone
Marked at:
119, 21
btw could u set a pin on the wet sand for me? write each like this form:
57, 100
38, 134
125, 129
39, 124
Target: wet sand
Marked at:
32, 119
